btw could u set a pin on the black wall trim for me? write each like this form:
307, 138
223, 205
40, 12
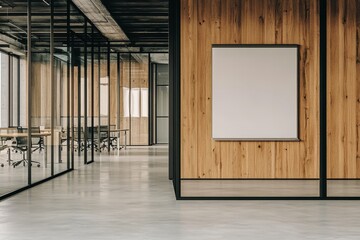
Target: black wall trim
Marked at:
323, 100
270, 198
174, 88
3, 197
249, 179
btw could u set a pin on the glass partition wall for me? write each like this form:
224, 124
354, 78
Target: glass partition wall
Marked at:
49, 73
12, 114
41, 90
67, 94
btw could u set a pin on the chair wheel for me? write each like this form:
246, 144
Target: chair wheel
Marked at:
38, 165
2, 165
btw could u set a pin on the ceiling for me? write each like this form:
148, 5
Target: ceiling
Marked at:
13, 24
145, 23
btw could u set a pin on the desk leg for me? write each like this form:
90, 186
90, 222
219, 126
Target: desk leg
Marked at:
9, 156
59, 148
45, 151
125, 138
118, 141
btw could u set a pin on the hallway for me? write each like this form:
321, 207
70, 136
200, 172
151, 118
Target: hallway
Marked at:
129, 197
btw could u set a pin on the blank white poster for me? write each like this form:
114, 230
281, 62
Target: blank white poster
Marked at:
255, 92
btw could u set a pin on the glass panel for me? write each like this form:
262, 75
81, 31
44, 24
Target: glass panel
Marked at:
135, 102
139, 84
162, 135
104, 93
61, 116
144, 96
162, 74
14, 105
79, 59
162, 101
96, 100
41, 95
11, 178
104, 101
114, 91
5, 86
61, 94
124, 96
250, 188
88, 100
22, 93
343, 188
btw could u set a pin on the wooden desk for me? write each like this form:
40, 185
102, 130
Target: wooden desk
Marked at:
25, 135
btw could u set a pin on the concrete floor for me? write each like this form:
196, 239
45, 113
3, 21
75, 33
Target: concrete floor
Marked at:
129, 197
12, 178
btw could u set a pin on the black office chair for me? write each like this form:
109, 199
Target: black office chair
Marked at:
64, 138
21, 145
98, 138
80, 142
90, 131
3, 143
3, 147
104, 133
113, 138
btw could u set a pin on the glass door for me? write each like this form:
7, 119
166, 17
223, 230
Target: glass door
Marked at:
162, 103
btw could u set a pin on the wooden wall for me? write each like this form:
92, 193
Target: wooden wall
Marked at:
206, 22
41, 90
124, 84
343, 89
140, 80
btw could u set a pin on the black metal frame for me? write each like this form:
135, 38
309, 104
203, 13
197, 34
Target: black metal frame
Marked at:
156, 85
174, 92
295, 46
109, 96
323, 99
92, 96
174, 147
85, 96
11, 79
29, 46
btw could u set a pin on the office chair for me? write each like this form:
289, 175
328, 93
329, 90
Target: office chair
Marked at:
63, 138
3, 147
89, 132
37, 142
113, 138
103, 137
3, 143
21, 144
96, 142
80, 144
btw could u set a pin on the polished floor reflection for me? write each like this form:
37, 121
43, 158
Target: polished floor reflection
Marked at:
128, 196
13, 178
